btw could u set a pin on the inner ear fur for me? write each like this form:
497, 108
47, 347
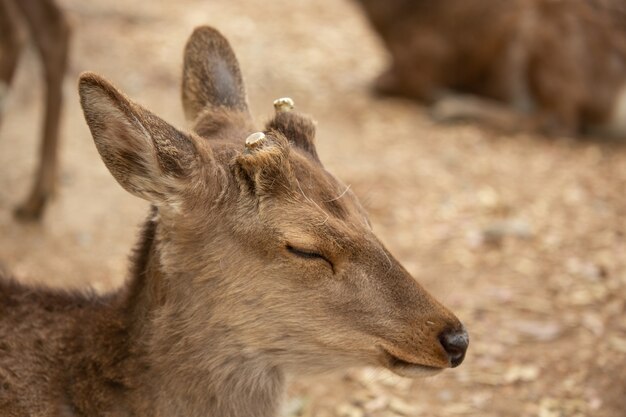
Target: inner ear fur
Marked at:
298, 129
211, 76
145, 154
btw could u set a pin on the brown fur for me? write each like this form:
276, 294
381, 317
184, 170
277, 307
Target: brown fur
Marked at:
557, 65
255, 263
49, 30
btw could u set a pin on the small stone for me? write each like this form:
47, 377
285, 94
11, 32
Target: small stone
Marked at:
495, 233
459, 409
403, 408
378, 403
445, 395
593, 322
525, 373
556, 407
349, 410
542, 331
488, 197
618, 344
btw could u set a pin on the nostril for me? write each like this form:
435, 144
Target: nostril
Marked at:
455, 344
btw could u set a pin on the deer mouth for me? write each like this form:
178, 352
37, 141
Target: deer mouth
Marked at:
405, 368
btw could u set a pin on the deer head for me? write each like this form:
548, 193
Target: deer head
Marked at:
256, 240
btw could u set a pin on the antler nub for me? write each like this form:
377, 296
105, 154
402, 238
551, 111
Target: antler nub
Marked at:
283, 105
254, 140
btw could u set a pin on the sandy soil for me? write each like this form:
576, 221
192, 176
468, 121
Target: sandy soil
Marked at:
523, 237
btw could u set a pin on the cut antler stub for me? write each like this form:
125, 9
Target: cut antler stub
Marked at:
284, 104
255, 140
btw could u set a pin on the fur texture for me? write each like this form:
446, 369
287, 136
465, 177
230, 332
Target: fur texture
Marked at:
253, 264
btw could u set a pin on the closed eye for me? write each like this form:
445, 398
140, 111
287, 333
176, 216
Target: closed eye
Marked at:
307, 254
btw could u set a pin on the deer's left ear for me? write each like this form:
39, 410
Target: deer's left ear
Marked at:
146, 155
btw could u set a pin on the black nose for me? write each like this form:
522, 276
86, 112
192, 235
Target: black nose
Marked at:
455, 344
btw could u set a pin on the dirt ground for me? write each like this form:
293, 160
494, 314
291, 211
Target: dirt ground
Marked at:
523, 237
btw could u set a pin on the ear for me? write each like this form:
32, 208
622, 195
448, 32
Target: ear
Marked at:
146, 155
211, 75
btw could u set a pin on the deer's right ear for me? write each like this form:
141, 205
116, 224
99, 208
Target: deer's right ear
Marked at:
146, 155
211, 76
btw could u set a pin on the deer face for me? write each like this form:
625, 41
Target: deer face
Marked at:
257, 238
336, 295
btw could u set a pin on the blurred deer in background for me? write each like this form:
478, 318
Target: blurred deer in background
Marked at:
254, 263
548, 65
49, 30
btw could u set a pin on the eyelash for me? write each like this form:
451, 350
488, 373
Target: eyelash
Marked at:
309, 255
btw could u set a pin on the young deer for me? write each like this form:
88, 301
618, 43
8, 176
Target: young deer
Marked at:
50, 31
255, 263
552, 66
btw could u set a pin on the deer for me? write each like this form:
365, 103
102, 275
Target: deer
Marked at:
50, 31
546, 66
254, 265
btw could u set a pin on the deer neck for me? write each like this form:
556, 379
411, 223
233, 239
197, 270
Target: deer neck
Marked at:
218, 376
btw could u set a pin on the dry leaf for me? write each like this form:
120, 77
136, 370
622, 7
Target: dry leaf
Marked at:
521, 373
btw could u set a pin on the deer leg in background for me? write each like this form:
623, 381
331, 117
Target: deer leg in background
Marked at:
50, 32
471, 108
10, 47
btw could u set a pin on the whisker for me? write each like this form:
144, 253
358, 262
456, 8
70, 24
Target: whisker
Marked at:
340, 195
